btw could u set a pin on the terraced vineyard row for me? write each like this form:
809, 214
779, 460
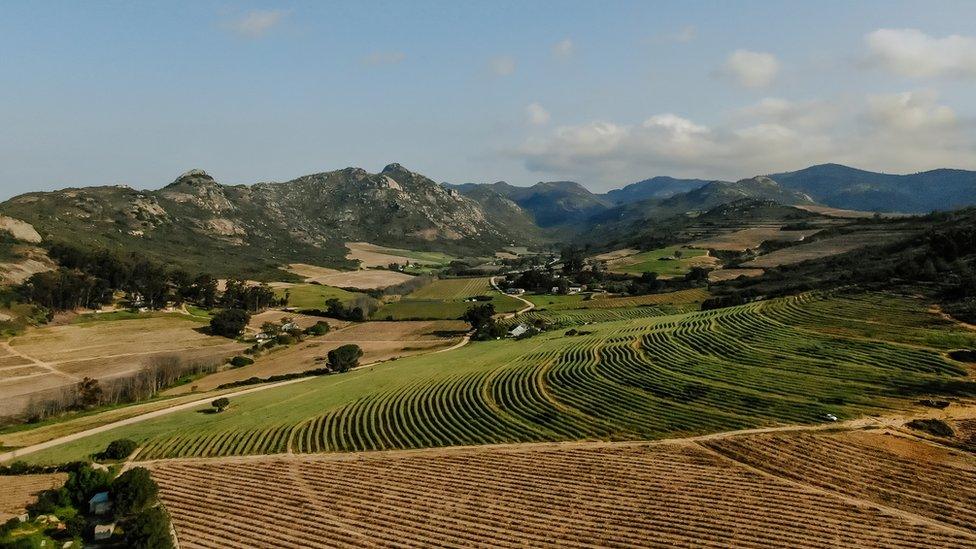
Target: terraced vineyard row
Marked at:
579, 317
654, 377
588, 494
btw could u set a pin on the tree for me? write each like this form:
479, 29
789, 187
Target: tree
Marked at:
479, 315
119, 449
149, 530
221, 404
86, 481
320, 328
345, 358
133, 491
89, 392
229, 322
572, 259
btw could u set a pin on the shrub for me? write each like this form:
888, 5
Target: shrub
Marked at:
133, 491
221, 403
241, 361
935, 427
285, 339
119, 449
320, 328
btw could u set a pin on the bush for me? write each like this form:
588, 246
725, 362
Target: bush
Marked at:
345, 358
241, 361
149, 530
133, 491
119, 449
320, 328
229, 322
221, 403
935, 427
285, 339
85, 482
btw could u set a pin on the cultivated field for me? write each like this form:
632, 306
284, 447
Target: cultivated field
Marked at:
378, 340
823, 248
372, 255
365, 279
16, 491
653, 261
795, 490
453, 288
718, 275
752, 237
45, 359
790, 360
445, 299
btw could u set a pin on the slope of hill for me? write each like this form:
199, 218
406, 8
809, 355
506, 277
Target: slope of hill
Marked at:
655, 187
251, 230
843, 187
553, 203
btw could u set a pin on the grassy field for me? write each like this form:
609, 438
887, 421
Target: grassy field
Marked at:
313, 296
791, 360
589, 495
444, 299
651, 261
580, 301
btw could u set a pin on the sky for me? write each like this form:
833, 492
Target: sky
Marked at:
603, 93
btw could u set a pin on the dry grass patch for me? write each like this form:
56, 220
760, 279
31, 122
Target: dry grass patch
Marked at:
17, 491
378, 340
367, 279
719, 275
822, 248
745, 239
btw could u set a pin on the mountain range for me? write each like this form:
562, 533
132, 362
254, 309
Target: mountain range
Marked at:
252, 230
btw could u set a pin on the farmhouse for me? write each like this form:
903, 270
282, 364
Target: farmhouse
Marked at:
99, 504
518, 330
515, 291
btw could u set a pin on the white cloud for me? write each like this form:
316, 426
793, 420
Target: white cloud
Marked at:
502, 65
912, 53
903, 132
536, 114
910, 111
255, 23
564, 49
384, 58
685, 34
751, 69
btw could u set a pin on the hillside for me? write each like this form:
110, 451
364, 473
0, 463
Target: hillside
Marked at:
843, 187
201, 224
551, 204
655, 187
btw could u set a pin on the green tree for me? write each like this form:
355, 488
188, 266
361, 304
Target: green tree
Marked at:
229, 322
133, 491
86, 481
479, 315
221, 404
149, 530
119, 449
345, 358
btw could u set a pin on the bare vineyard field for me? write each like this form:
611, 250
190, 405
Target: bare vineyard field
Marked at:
784, 361
363, 279
16, 491
581, 494
44, 359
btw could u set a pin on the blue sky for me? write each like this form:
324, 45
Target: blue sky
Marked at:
602, 93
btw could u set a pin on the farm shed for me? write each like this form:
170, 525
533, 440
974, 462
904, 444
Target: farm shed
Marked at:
99, 504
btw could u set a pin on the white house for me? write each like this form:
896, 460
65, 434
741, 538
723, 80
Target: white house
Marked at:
99, 504
515, 291
518, 330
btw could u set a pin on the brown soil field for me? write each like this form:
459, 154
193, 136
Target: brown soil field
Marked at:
783, 490
719, 275
379, 341
302, 321
372, 255
752, 237
365, 279
822, 248
845, 214
16, 491
616, 254
62, 355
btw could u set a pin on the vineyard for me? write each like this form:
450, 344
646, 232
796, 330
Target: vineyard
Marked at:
678, 493
445, 299
453, 288
791, 360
